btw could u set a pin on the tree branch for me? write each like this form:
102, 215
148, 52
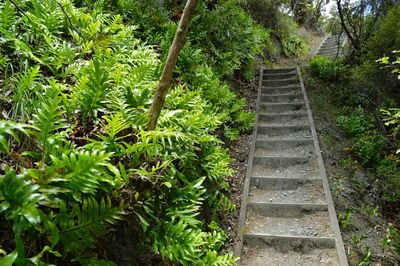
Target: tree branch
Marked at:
166, 76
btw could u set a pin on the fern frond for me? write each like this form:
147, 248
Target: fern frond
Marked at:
93, 88
86, 172
9, 128
7, 16
19, 198
24, 87
48, 120
80, 227
113, 125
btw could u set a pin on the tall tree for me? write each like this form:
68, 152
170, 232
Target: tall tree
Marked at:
166, 76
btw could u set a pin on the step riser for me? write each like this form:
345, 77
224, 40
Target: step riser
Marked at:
278, 83
282, 108
280, 76
285, 210
280, 71
283, 90
283, 183
282, 98
282, 132
282, 244
294, 119
285, 143
282, 161
331, 44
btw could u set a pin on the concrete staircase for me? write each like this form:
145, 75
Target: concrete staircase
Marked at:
287, 215
331, 46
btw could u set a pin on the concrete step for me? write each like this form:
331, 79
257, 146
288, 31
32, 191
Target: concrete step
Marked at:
280, 82
331, 50
311, 222
283, 119
286, 190
284, 147
281, 98
276, 108
330, 47
287, 216
281, 90
267, 251
279, 70
331, 44
283, 132
278, 76
294, 167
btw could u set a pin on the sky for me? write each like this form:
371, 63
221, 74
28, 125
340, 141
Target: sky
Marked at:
329, 6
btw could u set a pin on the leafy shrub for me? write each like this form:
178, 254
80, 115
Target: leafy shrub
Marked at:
369, 146
389, 172
82, 144
357, 123
287, 33
326, 68
386, 37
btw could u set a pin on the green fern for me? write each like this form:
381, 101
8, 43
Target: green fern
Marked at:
25, 86
80, 227
86, 172
48, 120
7, 15
93, 86
9, 128
19, 203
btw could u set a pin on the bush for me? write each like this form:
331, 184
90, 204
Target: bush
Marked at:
291, 42
368, 147
388, 171
326, 68
84, 90
358, 122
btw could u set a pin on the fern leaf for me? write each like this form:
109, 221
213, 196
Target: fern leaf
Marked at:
86, 171
81, 227
48, 120
9, 128
19, 198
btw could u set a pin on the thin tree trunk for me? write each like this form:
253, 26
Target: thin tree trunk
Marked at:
166, 76
344, 26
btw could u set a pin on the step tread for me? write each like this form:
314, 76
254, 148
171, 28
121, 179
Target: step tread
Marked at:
270, 256
290, 167
306, 193
283, 132
315, 224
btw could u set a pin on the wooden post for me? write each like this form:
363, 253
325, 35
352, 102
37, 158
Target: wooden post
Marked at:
166, 76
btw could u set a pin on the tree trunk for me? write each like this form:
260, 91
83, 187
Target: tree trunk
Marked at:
166, 76
344, 26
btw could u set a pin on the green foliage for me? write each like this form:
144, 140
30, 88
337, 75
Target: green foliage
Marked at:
8, 128
291, 42
389, 171
369, 146
293, 45
345, 219
367, 143
392, 240
80, 83
326, 68
392, 64
357, 123
386, 37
